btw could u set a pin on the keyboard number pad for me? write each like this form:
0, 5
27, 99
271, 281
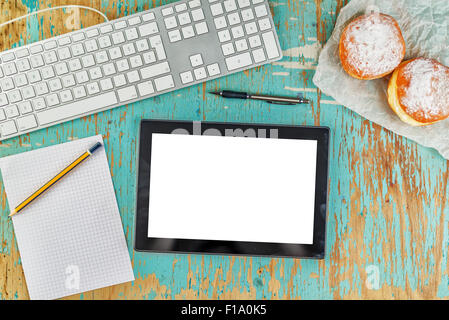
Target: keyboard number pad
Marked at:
184, 24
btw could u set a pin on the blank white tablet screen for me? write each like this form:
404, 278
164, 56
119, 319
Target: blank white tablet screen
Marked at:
232, 188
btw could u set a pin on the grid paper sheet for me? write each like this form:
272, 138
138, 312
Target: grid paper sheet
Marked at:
71, 239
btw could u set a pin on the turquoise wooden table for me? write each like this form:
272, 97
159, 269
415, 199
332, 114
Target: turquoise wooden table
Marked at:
388, 219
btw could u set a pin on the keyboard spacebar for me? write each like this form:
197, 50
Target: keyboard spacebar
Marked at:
76, 109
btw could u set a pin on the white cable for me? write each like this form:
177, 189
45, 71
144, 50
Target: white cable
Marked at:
53, 8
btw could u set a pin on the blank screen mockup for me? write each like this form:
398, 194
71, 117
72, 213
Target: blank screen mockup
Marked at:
232, 188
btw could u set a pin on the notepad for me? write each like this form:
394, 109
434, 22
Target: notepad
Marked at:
71, 239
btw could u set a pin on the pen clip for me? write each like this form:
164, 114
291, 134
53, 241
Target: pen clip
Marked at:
281, 103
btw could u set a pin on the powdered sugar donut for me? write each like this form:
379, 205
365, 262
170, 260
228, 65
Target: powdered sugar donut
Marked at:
371, 46
418, 91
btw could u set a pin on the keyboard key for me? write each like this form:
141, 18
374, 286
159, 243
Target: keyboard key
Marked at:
20, 80
224, 36
128, 49
79, 92
39, 104
194, 4
257, 1
115, 53
133, 76
50, 57
77, 49
131, 34
41, 88
28, 92
247, 14
237, 32
148, 29
127, 93
201, 28
8, 128
104, 42
261, 11
88, 61
148, 16
145, 88
75, 109
101, 57
14, 96
243, 3
78, 37
134, 20
106, 84
186, 77
184, 18
118, 37
270, 45
164, 83
216, 9
155, 70
25, 107
37, 61
188, 32
61, 69
234, 18
200, 73
142, 45
50, 45
23, 65
196, 60
92, 33
68, 81
64, 41
220, 23
9, 56
181, 7
259, 55
167, 11
2, 115
119, 80
230, 5
149, 57
238, 61
95, 73
10, 69
170, 22
22, 53
26, 123
47, 72
12, 111
174, 36
91, 45
93, 88
106, 28
82, 77
3, 100
264, 24
75, 65
156, 43
55, 85
228, 49
34, 76
136, 62
197, 14
109, 69
122, 65
251, 28
241, 45
36, 49
66, 96
120, 25
7, 84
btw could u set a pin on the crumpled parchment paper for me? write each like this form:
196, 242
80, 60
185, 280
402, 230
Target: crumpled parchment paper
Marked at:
425, 27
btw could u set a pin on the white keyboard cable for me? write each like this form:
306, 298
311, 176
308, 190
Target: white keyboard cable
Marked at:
54, 8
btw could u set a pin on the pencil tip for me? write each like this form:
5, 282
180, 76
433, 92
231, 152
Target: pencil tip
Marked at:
215, 92
12, 213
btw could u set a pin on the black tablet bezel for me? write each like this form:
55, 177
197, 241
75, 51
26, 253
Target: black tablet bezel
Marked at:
143, 243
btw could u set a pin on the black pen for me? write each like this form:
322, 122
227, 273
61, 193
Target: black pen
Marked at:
269, 99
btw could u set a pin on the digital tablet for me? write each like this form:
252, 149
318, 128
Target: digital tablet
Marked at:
232, 189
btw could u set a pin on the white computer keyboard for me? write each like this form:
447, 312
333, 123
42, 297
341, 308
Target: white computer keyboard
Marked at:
130, 59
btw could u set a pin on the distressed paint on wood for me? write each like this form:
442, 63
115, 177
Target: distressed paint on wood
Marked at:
387, 195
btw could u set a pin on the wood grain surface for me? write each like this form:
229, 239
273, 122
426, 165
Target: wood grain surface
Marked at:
387, 230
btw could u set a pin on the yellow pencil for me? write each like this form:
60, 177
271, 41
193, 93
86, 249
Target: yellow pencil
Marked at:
58, 177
